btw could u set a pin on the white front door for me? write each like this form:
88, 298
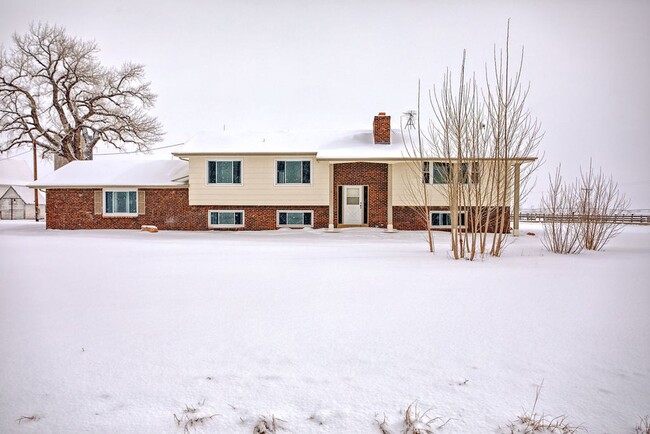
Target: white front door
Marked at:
352, 204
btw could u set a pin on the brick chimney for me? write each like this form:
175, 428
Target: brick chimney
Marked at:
381, 129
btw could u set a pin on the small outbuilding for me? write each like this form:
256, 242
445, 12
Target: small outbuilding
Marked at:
16, 199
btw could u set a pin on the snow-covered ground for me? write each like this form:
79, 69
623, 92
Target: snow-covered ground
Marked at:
117, 331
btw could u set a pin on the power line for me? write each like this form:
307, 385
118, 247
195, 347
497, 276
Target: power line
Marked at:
17, 155
106, 153
135, 152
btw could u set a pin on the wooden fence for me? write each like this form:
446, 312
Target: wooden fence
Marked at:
626, 219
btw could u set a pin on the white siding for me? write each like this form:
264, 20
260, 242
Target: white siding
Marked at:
407, 186
258, 183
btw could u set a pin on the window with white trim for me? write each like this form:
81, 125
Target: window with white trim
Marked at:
295, 218
120, 203
293, 172
442, 219
224, 172
226, 219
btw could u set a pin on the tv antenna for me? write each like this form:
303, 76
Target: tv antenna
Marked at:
410, 115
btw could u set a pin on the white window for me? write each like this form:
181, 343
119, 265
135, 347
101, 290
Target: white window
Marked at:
226, 219
120, 203
442, 219
295, 218
293, 172
224, 172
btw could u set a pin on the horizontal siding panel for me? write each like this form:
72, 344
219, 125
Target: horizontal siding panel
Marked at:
405, 180
258, 187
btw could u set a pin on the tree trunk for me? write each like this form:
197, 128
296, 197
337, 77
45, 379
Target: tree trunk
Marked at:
60, 161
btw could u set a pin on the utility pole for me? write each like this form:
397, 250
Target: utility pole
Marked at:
36, 189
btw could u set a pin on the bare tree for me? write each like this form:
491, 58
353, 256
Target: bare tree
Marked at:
450, 136
486, 146
56, 95
516, 136
562, 224
600, 203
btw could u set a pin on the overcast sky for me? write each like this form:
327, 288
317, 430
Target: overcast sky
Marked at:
270, 65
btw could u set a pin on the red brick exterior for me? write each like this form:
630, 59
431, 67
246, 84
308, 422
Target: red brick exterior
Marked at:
407, 219
375, 176
381, 128
166, 208
169, 209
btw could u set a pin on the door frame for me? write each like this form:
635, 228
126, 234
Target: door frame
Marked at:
364, 196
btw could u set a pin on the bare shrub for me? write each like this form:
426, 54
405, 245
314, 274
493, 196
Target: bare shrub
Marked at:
585, 214
416, 422
532, 422
601, 203
188, 418
643, 427
266, 425
186, 421
383, 425
562, 234
189, 409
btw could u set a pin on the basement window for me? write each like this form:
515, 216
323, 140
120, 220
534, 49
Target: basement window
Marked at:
295, 218
226, 219
121, 203
442, 219
293, 172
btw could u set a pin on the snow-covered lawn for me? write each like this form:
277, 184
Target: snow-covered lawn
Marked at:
117, 331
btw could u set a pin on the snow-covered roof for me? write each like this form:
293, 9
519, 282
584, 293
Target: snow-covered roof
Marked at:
25, 193
117, 173
351, 144
16, 174
326, 145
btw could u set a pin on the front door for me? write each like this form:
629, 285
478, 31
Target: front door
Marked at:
353, 204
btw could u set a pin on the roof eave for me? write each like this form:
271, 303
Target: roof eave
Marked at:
87, 186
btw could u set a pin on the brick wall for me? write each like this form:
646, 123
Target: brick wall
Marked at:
407, 219
166, 208
375, 176
169, 208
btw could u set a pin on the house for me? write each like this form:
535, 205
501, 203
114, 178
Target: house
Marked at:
16, 199
256, 181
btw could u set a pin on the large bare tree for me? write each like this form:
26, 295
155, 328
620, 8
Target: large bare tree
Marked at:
57, 96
